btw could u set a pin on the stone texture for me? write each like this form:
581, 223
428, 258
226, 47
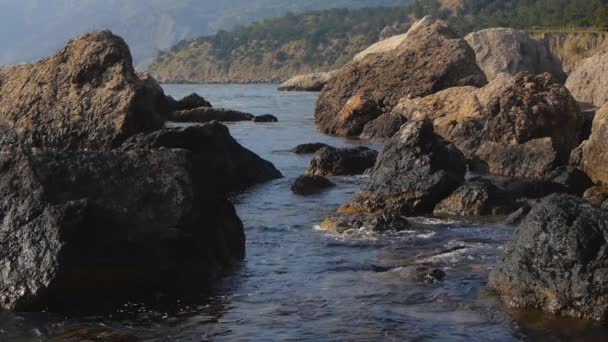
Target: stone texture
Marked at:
330, 161
372, 222
478, 197
588, 82
310, 185
591, 156
86, 96
208, 114
506, 50
309, 148
383, 127
556, 261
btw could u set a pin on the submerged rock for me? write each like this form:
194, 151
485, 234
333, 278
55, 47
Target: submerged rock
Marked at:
587, 82
556, 261
506, 50
383, 127
421, 274
208, 114
330, 161
309, 82
310, 185
86, 96
414, 172
372, 222
479, 197
265, 118
309, 148
429, 58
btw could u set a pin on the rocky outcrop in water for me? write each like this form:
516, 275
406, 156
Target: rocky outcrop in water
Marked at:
310, 185
587, 82
330, 161
309, 82
414, 172
371, 222
521, 126
556, 262
188, 102
479, 197
208, 114
309, 148
505, 50
383, 127
430, 58
86, 96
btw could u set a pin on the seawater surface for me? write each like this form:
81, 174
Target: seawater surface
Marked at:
300, 283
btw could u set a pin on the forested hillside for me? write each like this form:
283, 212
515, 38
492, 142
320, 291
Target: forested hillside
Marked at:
278, 48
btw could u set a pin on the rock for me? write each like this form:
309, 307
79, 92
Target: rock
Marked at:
428, 59
421, 274
85, 97
330, 161
309, 82
212, 149
383, 127
372, 222
191, 101
391, 31
533, 159
310, 185
587, 82
508, 111
556, 261
265, 118
591, 156
308, 148
572, 179
596, 195
207, 114
478, 197
506, 50
533, 188
517, 216
414, 172
356, 113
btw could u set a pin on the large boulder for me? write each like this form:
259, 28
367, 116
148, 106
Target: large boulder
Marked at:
383, 127
86, 96
506, 50
414, 172
478, 197
588, 82
512, 116
557, 260
591, 156
309, 82
151, 216
430, 58
330, 161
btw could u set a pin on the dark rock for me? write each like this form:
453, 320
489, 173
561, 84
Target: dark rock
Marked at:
207, 114
534, 189
557, 260
572, 179
265, 118
309, 148
414, 172
330, 161
596, 195
191, 101
430, 58
80, 226
372, 222
517, 216
421, 274
384, 127
478, 197
85, 97
309, 185
214, 153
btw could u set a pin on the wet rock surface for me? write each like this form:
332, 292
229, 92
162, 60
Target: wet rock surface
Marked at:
557, 260
265, 118
310, 185
329, 161
372, 222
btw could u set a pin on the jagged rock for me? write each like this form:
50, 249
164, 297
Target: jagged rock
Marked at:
86, 96
414, 172
533, 159
591, 156
309, 148
212, 149
557, 261
508, 111
596, 195
479, 197
310, 185
588, 81
191, 101
208, 114
506, 50
383, 127
309, 82
265, 118
430, 58
330, 161
372, 222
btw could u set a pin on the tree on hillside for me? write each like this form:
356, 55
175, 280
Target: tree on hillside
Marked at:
601, 17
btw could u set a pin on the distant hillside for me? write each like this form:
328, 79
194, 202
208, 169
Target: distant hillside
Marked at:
276, 49
32, 29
